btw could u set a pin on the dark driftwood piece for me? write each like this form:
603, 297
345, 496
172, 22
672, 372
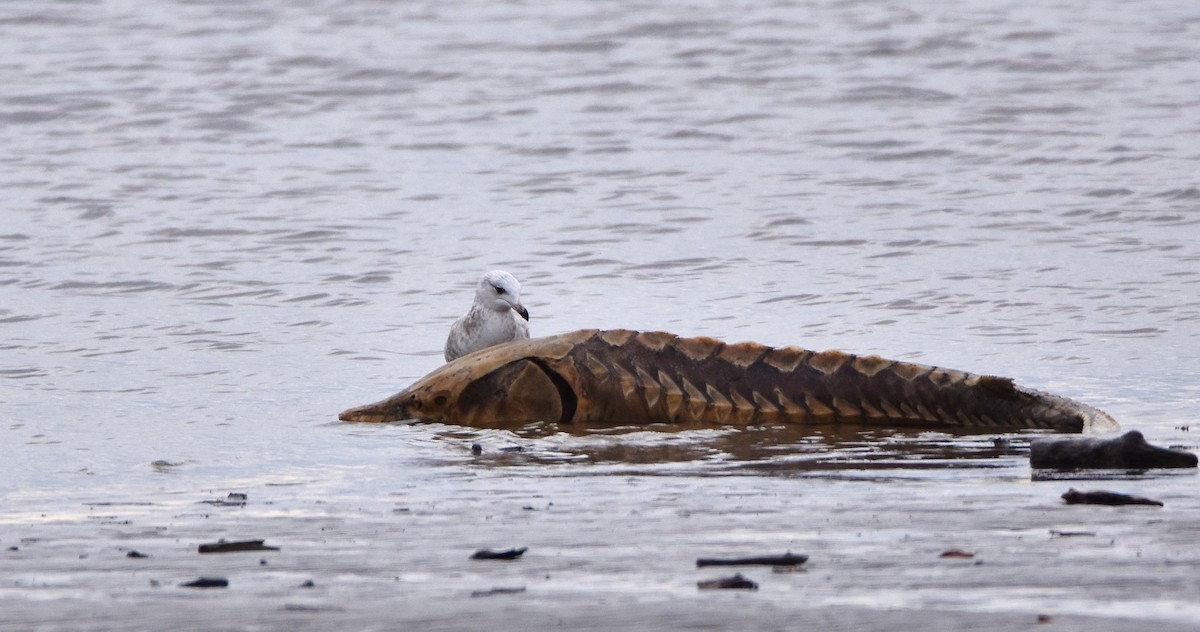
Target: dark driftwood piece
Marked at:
737, 582
1128, 451
1055, 533
232, 547
510, 554
1076, 497
787, 559
207, 582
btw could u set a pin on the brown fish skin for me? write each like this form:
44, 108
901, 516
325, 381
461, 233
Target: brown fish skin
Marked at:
593, 377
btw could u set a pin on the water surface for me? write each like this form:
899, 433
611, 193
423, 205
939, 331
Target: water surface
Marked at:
222, 223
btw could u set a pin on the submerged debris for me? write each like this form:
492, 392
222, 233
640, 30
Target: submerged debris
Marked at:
477, 449
787, 559
234, 499
498, 591
223, 546
737, 582
510, 554
1055, 533
1076, 497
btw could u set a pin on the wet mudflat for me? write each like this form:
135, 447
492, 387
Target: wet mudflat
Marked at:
613, 535
223, 223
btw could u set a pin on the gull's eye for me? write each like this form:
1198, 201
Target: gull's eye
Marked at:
500, 290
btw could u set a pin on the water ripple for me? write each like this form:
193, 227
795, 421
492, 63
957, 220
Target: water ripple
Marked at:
1009, 190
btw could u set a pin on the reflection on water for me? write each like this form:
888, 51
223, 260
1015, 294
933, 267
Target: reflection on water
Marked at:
779, 449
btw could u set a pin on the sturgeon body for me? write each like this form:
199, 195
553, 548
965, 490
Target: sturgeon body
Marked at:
619, 377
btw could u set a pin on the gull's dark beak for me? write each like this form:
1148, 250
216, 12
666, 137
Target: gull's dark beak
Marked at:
520, 309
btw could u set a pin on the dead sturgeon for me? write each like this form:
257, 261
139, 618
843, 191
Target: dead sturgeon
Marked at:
593, 377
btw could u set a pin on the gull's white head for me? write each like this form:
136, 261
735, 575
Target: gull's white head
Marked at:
500, 291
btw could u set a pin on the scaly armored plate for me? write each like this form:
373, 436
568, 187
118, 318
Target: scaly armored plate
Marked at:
619, 377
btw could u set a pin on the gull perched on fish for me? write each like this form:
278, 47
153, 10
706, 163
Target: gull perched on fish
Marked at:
495, 317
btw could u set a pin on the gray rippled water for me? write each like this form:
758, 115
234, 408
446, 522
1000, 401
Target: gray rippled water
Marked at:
221, 223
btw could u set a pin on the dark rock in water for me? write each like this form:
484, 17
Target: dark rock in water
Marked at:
510, 554
787, 559
1128, 451
231, 547
207, 582
737, 582
1076, 497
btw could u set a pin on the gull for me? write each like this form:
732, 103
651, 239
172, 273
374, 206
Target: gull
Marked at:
495, 317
